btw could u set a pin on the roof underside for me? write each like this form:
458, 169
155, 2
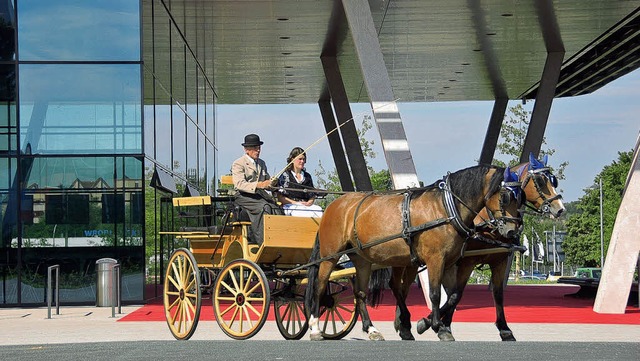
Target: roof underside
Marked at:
268, 52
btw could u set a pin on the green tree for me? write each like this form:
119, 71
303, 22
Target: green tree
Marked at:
328, 179
582, 244
513, 133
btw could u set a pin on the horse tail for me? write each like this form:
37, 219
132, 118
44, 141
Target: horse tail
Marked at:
377, 283
312, 276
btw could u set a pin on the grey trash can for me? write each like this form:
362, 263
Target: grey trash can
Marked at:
106, 282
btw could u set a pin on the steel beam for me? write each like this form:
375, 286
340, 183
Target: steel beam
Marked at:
335, 144
383, 103
345, 123
493, 131
549, 80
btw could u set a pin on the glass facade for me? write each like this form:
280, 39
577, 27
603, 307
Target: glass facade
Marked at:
95, 97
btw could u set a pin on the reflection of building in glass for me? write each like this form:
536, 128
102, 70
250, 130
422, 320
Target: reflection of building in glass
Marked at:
550, 242
92, 115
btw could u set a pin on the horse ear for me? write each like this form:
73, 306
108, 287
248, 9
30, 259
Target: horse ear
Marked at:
531, 158
520, 171
545, 159
534, 163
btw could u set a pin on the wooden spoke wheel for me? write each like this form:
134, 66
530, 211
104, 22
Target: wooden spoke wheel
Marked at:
338, 309
182, 294
288, 304
241, 299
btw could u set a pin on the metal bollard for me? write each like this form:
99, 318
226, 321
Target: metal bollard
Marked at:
49, 293
116, 292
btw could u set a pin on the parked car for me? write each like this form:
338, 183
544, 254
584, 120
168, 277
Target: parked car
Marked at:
533, 277
588, 272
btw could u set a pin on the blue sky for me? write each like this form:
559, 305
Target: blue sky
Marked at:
587, 131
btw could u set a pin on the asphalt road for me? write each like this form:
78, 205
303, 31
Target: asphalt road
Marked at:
325, 350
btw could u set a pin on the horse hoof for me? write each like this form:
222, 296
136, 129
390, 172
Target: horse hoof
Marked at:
445, 335
407, 336
376, 336
422, 325
507, 336
316, 336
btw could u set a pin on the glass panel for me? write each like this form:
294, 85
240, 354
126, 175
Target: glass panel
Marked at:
192, 152
202, 165
7, 31
79, 30
163, 128
85, 173
192, 88
178, 142
80, 108
7, 172
162, 55
177, 67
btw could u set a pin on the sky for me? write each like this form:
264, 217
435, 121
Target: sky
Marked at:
587, 131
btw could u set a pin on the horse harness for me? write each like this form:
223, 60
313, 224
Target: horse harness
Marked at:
408, 231
546, 203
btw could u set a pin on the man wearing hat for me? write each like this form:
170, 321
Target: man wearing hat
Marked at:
251, 180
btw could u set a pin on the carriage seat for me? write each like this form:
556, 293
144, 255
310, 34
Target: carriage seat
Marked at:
212, 230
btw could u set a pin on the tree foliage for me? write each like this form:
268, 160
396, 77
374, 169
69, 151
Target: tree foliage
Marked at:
328, 179
513, 134
582, 245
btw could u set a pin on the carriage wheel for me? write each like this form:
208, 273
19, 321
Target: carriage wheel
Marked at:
288, 304
338, 309
182, 294
241, 299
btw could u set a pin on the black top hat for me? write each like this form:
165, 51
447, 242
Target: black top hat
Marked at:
252, 140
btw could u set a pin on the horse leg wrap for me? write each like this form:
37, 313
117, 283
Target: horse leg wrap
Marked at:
374, 334
314, 334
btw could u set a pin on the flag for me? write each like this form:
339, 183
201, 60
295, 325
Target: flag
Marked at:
525, 243
541, 252
538, 248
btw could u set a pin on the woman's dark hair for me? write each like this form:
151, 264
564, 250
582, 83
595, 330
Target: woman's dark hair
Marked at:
294, 153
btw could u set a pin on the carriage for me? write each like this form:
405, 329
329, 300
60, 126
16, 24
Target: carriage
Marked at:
242, 280
429, 224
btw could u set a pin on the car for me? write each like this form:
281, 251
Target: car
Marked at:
533, 277
588, 272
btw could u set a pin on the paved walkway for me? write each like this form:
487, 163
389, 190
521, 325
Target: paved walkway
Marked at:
31, 326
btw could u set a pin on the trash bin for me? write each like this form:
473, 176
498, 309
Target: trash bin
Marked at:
106, 282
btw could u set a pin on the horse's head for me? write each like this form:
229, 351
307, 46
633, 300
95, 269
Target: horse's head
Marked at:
503, 206
539, 186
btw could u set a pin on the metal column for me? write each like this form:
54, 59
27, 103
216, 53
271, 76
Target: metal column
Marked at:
548, 82
493, 131
335, 144
347, 127
383, 103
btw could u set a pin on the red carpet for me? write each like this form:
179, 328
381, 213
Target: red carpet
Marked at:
523, 304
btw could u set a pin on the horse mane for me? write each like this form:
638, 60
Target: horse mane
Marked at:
460, 185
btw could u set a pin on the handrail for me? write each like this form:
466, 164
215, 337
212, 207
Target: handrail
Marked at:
115, 297
49, 292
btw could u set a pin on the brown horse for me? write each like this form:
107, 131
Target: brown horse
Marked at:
539, 186
422, 226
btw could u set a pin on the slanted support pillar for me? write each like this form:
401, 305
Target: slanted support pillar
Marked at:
335, 144
345, 122
383, 103
624, 247
542, 107
493, 131
549, 80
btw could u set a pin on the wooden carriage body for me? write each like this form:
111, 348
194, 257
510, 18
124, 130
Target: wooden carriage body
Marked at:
243, 278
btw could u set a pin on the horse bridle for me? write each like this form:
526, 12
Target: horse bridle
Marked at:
495, 223
546, 202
